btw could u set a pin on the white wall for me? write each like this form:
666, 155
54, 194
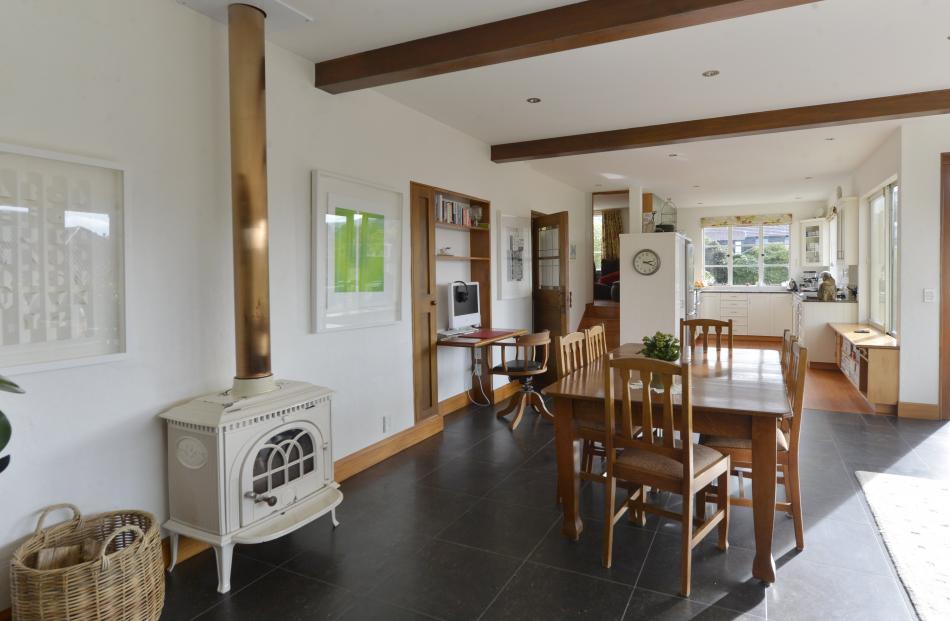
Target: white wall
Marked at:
143, 83
689, 218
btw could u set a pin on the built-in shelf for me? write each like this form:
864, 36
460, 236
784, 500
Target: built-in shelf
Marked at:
459, 227
452, 257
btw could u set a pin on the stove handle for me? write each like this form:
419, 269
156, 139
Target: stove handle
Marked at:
270, 500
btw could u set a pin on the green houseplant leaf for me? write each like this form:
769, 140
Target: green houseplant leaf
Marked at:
5, 431
8, 385
661, 346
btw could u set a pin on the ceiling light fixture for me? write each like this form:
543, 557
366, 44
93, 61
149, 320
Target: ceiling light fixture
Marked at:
695, 187
711, 73
830, 138
533, 100
808, 178
674, 154
611, 176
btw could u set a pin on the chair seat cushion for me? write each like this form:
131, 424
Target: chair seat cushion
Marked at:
518, 366
725, 442
644, 461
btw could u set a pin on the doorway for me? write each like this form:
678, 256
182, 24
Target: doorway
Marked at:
549, 270
611, 217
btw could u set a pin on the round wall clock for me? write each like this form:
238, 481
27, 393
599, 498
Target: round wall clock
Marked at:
646, 262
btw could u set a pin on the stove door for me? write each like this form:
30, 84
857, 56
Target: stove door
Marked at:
287, 465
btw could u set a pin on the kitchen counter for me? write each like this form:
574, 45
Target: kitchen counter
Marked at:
744, 290
874, 338
816, 300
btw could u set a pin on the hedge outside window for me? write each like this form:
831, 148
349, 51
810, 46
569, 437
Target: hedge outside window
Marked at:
747, 254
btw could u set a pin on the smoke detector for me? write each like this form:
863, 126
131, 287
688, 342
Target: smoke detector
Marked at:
280, 15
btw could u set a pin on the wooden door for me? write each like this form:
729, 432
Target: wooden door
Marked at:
424, 301
549, 268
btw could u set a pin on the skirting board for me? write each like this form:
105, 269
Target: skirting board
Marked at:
502, 393
828, 366
927, 411
453, 404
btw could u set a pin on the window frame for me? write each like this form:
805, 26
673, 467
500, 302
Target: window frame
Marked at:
760, 264
890, 191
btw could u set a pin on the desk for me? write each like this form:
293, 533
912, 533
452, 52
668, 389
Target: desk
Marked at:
483, 337
871, 361
742, 396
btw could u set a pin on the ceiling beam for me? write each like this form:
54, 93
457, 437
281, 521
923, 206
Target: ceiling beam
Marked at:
772, 121
554, 30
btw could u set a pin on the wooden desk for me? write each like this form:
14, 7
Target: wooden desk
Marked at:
475, 341
871, 360
742, 396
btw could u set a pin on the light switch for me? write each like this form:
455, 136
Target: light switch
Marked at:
929, 296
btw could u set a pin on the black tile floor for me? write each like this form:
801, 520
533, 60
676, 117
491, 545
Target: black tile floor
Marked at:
464, 526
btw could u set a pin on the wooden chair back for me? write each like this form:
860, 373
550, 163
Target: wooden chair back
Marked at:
596, 342
528, 347
629, 434
689, 328
798, 368
571, 353
787, 340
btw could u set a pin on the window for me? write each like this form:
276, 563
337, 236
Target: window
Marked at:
598, 239
883, 240
746, 254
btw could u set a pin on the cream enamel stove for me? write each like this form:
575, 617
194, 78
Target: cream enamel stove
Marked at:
249, 470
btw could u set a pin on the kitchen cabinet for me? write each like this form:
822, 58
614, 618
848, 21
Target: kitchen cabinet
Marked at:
846, 231
871, 361
815, 243
752, 314
812, 328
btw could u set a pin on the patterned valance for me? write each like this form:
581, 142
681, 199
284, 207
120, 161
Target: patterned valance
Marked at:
777, 218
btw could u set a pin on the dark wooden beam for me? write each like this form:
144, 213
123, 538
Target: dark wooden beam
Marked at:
772, 121
554, 30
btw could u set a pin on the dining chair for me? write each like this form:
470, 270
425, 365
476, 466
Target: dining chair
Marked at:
788, 435
531, 359
690, 327
677, 466
571, 353
596, 341
787, 340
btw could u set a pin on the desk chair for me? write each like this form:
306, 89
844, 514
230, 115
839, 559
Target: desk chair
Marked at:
531, 359
787, 438
690, 327
680, 467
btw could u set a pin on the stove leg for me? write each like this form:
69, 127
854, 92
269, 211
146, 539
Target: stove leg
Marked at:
224, 554
172, 550
333, 517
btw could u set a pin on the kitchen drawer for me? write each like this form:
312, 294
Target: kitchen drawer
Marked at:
739, 330
727, 313
741, 297
733, 304
738, 321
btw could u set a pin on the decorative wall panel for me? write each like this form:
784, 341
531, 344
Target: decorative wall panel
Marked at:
61, 259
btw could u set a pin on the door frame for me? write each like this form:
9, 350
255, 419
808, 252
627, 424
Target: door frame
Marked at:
943, 398
421, 227
591, 219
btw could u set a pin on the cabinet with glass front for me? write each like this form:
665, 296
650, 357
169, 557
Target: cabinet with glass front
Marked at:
815, 243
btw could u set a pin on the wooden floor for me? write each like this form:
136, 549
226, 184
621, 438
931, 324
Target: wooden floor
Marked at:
825, 389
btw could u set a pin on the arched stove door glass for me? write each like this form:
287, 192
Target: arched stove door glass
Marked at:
284, 458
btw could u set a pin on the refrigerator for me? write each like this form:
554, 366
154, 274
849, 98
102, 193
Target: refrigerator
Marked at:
656, 302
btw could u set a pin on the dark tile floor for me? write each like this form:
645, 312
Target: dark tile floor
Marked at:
464, 526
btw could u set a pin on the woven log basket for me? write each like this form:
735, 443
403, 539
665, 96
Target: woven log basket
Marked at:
125, 583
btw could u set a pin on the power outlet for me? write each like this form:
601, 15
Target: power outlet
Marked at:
929, 296
387, 424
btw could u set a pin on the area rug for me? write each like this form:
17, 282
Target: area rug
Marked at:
913, 515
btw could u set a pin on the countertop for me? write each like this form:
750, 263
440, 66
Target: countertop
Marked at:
744, 290
873, 339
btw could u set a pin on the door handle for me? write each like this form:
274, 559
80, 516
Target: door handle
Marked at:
433, 303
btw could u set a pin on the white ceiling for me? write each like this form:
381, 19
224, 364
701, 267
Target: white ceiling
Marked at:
834, 50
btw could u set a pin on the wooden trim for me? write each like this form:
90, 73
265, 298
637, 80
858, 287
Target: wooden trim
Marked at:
6, 615
927, 411
771, 121
562, 28
354, 463
503, 392
944, 342
829, 366
453, 403
749, 338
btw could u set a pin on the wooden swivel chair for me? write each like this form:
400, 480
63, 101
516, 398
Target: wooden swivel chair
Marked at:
787, 438
689, 328
681, 467
531, 359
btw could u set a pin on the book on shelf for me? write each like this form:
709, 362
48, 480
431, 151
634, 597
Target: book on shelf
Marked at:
454, 212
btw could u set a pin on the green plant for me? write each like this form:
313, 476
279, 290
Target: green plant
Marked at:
6, 430
661, 346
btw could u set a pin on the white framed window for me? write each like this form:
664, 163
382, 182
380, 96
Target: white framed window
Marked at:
747, 254
883, 242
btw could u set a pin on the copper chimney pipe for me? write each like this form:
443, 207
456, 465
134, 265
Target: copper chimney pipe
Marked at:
249, 197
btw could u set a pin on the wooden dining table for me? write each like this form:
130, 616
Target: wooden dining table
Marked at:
740, 395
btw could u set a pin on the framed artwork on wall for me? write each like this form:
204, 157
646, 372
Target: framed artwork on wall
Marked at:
62, 260
357, 253
514, 253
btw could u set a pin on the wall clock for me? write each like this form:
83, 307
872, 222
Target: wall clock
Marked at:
646, 262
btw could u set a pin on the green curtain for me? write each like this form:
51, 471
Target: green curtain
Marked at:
613, 227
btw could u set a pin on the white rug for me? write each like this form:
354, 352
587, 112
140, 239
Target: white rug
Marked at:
913, 515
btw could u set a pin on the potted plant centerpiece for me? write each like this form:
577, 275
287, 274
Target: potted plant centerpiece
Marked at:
660, 346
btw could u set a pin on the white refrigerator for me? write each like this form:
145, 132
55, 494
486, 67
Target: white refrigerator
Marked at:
655, 302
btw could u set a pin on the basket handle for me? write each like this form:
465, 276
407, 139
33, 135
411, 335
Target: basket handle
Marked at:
77, 516
128, 528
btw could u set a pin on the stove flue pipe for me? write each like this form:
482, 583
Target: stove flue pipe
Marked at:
249, 200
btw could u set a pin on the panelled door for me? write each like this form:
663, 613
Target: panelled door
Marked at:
424, 301
549, 265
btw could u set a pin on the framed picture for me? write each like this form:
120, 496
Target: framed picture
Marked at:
62, 260
357, 253
514, 252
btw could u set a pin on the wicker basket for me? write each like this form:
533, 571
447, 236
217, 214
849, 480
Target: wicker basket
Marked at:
126, 582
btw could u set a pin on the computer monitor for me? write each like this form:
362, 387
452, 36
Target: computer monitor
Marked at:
464, 305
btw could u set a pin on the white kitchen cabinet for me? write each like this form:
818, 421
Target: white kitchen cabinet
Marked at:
815, 243
760, 315
780, 309
846, 231
813, 331
708, 305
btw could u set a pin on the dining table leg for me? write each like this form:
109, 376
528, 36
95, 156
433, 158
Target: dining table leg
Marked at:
567, 478
763, 495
